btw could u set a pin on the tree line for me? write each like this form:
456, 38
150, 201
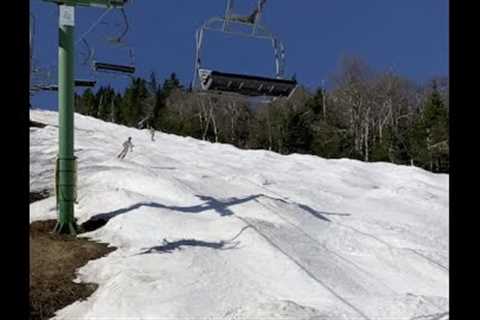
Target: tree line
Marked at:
365, 115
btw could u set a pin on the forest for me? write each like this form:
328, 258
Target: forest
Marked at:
365, 114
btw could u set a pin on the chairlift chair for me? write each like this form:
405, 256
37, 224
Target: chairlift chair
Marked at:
108, 66
77, 83
208, 80
247, 85
115, 68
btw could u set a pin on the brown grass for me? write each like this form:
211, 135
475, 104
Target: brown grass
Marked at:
53, 262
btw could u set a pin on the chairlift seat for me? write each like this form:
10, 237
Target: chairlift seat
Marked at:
109, 67
247, 85
85, 83
51, 87
77, 83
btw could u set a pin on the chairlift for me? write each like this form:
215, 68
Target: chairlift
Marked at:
109, 66
77, 83
85, 83
36, 86
113, 68
120, 69
214, 81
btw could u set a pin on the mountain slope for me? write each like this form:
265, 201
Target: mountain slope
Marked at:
208, 231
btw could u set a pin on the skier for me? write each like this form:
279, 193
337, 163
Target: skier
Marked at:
126, 145
152, 133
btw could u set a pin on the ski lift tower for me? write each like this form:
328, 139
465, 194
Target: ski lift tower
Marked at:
66, 161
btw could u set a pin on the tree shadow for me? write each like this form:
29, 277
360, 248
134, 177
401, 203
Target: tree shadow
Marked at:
36, 124
318, 214
222, 207
313, 212
169, 247
210, 203
39, 195
164, 168
321, 214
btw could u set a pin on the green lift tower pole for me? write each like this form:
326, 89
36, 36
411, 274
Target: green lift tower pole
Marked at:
66, 159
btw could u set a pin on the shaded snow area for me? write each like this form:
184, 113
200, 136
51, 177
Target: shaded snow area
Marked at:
209, 231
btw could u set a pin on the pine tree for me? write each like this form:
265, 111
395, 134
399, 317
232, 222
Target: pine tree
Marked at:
429, 137
89, 103
78, 103
171, 84
104, 97
152, 84
133, 106
299, 135
315, 103
154, 101
116, 114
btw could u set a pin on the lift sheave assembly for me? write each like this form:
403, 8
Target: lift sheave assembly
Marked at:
242, 84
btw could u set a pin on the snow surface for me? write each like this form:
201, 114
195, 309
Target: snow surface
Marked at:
209, 231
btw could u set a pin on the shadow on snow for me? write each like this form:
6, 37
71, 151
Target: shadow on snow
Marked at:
168, 247
222, 207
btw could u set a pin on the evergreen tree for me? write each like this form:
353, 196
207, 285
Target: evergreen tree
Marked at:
116, 114
368, 114
78, 103
299, 136
155, 101
385, 150
104, 97
133, 106
171, 84
89, 103
315, 103
429, 137
152, 84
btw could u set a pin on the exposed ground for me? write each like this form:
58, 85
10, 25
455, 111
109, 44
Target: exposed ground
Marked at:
53, 262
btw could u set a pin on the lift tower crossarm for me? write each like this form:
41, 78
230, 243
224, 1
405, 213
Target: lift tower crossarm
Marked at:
91, 3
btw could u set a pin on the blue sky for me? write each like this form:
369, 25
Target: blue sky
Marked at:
410, 36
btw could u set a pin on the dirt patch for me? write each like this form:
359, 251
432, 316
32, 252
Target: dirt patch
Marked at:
53, 262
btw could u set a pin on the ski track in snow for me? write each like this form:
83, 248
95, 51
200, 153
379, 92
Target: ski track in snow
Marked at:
372, 236
208, 231
309, 272
327, 259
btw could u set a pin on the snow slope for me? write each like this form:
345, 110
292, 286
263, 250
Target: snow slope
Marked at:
208, 231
